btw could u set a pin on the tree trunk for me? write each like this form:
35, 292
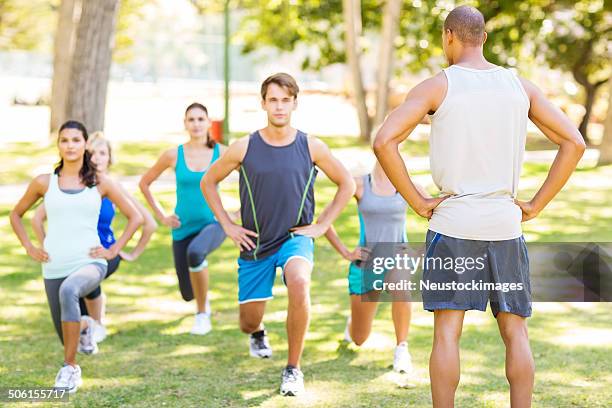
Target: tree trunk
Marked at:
91, 63
588, 106
390, 27
605, 149
352, 23
62, 59
578, 71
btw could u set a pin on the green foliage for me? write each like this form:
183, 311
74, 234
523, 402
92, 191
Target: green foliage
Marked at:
27, 25
509, 23
315, 23
130, 11
517, 31
31, 25
578, 38
319, 25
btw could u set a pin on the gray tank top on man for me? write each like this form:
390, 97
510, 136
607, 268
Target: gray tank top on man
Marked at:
276, 192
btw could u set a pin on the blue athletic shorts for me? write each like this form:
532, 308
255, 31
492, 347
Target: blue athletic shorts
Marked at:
495, 272
256, 277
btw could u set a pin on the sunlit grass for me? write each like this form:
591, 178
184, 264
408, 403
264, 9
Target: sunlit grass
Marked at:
149, 358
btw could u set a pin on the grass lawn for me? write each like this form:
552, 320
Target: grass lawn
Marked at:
150, 360
19, 162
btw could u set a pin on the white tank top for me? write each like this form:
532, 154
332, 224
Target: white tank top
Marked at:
476, 152
72, 229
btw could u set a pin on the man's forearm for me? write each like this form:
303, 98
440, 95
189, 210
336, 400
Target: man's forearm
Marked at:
213, 199
563, 166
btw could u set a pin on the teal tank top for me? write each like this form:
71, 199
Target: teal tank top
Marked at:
191, 207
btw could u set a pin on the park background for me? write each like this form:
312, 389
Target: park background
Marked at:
130, 68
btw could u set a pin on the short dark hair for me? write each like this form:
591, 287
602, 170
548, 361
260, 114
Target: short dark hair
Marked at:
283, 80
467, 23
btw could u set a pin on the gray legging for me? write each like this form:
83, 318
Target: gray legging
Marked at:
63, 294
190, 255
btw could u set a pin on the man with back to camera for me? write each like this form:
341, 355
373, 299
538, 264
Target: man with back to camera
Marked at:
479, 114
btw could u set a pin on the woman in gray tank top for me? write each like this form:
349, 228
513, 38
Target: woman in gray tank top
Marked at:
382, 218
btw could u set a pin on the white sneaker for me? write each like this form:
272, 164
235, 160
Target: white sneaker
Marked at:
347, 332
99, 331
201, 324
87, 344
260, 346
402, 361
292, 382
69, 377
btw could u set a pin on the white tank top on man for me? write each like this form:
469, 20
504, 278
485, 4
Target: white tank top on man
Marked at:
477, 144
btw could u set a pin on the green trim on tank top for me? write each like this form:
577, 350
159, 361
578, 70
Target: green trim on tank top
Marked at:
303, 201
248, 185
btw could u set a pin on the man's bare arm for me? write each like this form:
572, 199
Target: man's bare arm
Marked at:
229, 161
339, 175
422, 99
561, 131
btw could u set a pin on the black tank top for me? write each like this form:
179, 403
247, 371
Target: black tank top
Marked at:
276, 192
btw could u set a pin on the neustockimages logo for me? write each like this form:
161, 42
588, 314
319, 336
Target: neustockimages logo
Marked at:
412, 264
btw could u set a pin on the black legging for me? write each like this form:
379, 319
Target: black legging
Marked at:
191, 253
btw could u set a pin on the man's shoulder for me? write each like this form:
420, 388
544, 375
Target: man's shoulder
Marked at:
431, 87
438, 82
237, 149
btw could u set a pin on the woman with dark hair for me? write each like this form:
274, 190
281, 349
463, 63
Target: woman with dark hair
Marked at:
195, 232
73, 261
93, 306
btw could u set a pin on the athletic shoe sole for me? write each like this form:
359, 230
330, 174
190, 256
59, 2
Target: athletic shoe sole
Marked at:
71, 390
89, 353
254, 354
76, 387
290, 393
198, 333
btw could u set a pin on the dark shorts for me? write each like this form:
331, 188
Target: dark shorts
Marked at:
462, 274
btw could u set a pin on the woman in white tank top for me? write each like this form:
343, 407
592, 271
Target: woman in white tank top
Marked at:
73, 260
